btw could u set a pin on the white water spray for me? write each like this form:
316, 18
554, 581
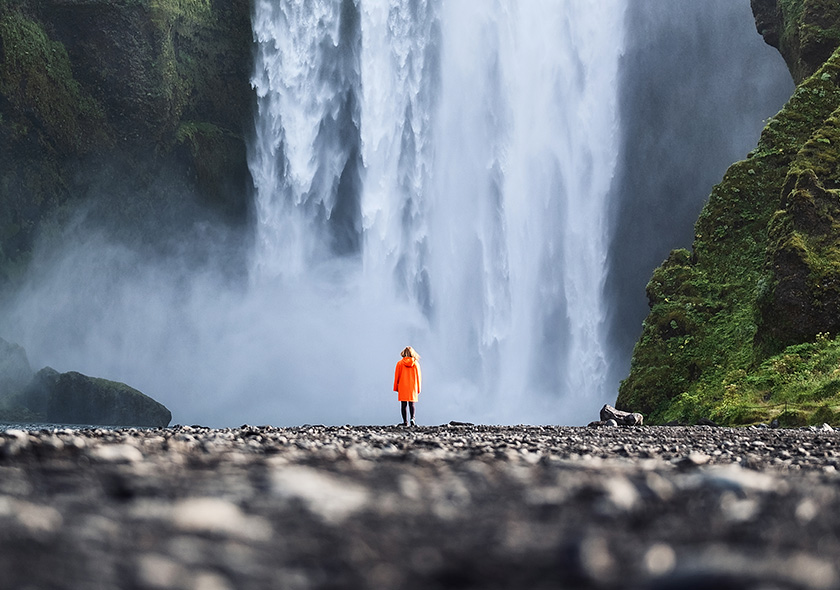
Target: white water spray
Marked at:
435, 173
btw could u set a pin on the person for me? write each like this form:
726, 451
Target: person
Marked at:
407, 382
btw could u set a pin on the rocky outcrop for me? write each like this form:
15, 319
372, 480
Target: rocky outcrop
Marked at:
73, 398
806, 32
742, 328
70, 398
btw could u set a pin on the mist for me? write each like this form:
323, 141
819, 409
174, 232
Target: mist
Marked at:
506, 236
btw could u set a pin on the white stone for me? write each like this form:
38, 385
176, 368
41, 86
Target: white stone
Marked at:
215, 515
328, 496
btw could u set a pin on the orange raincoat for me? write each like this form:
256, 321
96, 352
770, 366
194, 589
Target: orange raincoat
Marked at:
407, 379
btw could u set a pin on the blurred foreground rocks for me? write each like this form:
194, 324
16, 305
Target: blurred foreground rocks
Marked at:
454, 506
70, 398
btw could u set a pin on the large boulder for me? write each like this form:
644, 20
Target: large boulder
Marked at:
73, 398
620, 417
70, 398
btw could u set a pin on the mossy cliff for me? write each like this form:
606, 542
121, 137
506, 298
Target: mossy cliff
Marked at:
806, 32
742, 328
115, 93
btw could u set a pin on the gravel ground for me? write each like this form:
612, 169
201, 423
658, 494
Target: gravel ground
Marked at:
455, 506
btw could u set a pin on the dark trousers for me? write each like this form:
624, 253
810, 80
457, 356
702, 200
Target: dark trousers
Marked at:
410, 409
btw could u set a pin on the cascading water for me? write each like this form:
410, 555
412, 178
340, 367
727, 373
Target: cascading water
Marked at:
435, 173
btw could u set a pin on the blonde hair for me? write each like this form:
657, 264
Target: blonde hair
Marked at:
408, 351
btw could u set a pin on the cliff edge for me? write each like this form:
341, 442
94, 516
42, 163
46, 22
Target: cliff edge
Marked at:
742, 328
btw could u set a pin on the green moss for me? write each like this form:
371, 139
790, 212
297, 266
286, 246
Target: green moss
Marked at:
215, 152
799, 386
178, 22
826, 415
203, 66
792, 419
92, 87
36, 77
809, 33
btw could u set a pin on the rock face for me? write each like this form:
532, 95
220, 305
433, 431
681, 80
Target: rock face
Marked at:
806, 32
742, 328
103, 96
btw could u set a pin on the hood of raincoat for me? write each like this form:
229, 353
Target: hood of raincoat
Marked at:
408, 361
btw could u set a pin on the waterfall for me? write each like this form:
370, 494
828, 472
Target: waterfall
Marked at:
435, 172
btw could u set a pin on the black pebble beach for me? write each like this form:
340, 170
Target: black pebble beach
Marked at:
455, 506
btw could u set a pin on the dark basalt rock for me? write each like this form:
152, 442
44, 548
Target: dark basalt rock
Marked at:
621, 417
761, 279
104, 96
70, 398
73, 398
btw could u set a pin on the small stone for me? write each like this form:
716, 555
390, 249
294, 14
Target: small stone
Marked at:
806, 511
595, 560
214, 515
693, 459
15, 434
36, 518
119, 453
209, 581
15, 442
621, 493
736, 509
326, 495
738, 479
157, 571
659, 559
